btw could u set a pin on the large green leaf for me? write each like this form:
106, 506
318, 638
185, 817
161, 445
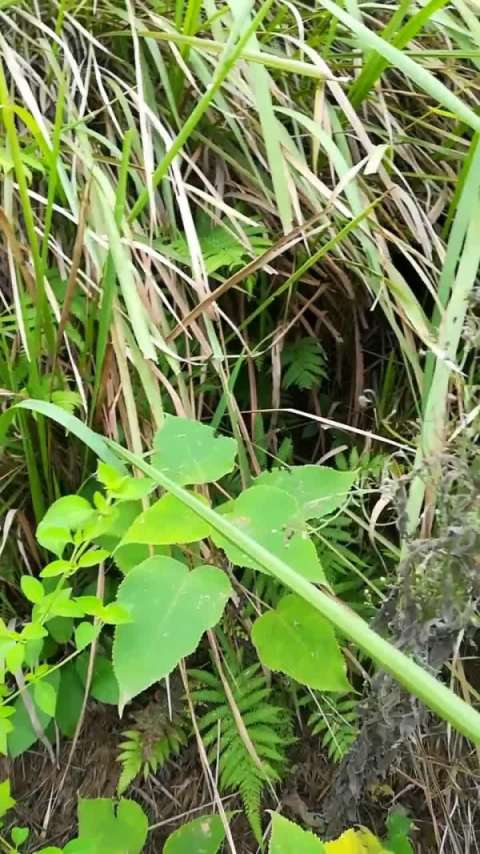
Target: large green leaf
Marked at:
296, 640
189, 452
404, 64
202, 836
318, 489
170, 608
266, 514
83, 846
414, 678
121, 831
289, 838
398, 826
166, 522
128, 555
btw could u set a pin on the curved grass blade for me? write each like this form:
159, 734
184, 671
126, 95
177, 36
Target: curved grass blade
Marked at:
423, 78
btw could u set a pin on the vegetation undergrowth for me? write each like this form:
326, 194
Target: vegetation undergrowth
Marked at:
239, 253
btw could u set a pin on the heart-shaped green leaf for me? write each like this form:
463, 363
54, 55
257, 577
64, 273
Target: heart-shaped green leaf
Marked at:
318, 489
121, 830
267, 514
296, 640
189, 452
170, 609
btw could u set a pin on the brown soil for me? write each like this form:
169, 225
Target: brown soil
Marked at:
435, 779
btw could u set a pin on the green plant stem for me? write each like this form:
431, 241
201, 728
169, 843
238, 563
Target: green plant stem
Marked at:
44, 321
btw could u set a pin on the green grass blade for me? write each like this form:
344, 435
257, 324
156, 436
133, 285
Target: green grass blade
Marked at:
376, 63
423, 78
109, 277
223, 69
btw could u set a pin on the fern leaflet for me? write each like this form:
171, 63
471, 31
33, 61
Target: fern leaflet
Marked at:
148, 747
268, 726
335, 719
304, 361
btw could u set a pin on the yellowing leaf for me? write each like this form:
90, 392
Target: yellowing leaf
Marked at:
355, 842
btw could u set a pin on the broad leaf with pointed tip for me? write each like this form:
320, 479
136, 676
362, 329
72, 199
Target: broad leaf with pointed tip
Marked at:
265, 513
318, 489
189, 452
167, 522
294, 639
171, 607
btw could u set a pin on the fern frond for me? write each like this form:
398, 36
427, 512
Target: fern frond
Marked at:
267, 723
335, 719
149, 746
304, 361
220, 246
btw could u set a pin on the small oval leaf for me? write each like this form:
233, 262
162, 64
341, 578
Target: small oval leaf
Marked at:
85, 633
45, 697
32, 588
